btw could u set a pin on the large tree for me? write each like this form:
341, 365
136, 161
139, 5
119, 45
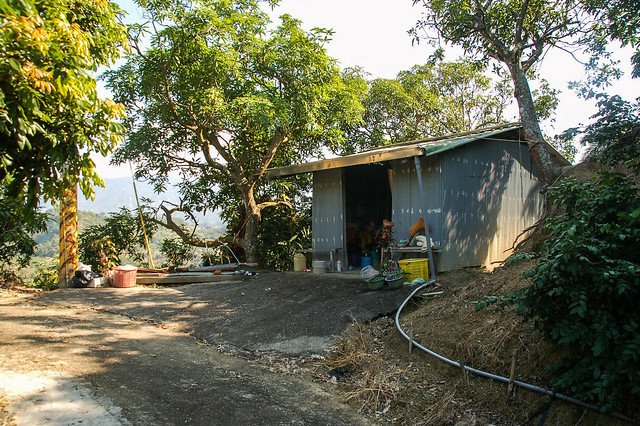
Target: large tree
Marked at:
427, 100
220, 95
619, 20
51, 118
517, 34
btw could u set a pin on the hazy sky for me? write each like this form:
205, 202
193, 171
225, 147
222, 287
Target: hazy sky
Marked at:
373, 34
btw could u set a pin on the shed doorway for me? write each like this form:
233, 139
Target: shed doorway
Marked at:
367, 202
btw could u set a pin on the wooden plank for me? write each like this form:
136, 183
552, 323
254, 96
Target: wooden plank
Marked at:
184, 279
177, 274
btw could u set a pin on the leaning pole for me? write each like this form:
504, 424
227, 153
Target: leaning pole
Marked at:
68, 241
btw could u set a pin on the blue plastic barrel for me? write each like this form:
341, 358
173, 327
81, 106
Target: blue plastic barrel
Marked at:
366, 261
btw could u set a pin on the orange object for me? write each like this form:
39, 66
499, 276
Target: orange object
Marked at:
124, 276
416, 227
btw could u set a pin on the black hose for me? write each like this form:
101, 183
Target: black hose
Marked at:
486, 374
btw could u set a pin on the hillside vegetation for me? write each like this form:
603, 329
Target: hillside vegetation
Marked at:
563, 310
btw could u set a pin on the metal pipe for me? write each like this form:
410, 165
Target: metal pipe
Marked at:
486, 374
423, 200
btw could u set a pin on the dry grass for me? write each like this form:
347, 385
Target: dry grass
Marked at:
370, 383
441, 411
352, 350
374, 391
393, 386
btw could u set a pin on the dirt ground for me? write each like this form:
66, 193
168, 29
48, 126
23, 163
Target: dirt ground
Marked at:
196, 354
68, 365
255, 351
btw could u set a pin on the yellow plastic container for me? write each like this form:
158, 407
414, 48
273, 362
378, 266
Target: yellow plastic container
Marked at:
414, 268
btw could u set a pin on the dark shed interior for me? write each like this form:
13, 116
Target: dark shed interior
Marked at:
367, 203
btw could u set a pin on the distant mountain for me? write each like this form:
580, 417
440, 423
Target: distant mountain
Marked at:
119, 193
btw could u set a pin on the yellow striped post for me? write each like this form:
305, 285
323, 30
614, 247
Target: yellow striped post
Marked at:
68, 240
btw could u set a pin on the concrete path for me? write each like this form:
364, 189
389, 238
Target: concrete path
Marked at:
293, 313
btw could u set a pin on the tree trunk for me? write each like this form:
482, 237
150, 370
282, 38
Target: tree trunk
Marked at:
547, 167
253, 216
250, 240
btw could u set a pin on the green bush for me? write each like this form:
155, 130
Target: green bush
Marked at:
17, 228
283, 231
120, 235
585, 288
177, 252
46, 277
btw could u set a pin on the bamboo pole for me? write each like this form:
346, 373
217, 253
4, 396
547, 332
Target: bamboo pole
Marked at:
144, 229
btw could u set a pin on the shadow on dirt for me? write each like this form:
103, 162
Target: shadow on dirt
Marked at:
147, 374
292, 313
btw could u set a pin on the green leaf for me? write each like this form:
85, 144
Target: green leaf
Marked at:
15, 65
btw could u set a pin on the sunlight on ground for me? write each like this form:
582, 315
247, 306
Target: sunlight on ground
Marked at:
48, 397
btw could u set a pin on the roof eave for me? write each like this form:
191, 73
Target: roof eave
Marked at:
368, 157
393, 152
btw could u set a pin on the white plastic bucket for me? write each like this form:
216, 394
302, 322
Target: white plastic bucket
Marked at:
319, 267
299, 262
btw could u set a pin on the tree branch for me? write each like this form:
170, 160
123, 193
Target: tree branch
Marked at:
500, 51
172, 104
278, 139
204, 147
520, 23
188, 237
268, 204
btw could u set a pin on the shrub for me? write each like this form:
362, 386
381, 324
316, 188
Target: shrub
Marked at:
585, 288
283, 231
120, 235
17, 228
46, 277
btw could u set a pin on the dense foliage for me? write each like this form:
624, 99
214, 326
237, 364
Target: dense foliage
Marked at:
619, 20
615, 135
221, 94
283, 231
585, 288
51, 118
120, 234
17, 244
433, 99
177, 252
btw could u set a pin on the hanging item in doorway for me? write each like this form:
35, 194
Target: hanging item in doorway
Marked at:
418, 226
385, 237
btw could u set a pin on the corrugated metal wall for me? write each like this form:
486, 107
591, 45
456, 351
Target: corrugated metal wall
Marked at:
490, 196
406, 201
328, 213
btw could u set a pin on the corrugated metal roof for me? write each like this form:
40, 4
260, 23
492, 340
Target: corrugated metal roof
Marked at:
434, 147
429, 146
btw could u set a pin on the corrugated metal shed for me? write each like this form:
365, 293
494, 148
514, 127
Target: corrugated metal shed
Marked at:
328, 227
480, 189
